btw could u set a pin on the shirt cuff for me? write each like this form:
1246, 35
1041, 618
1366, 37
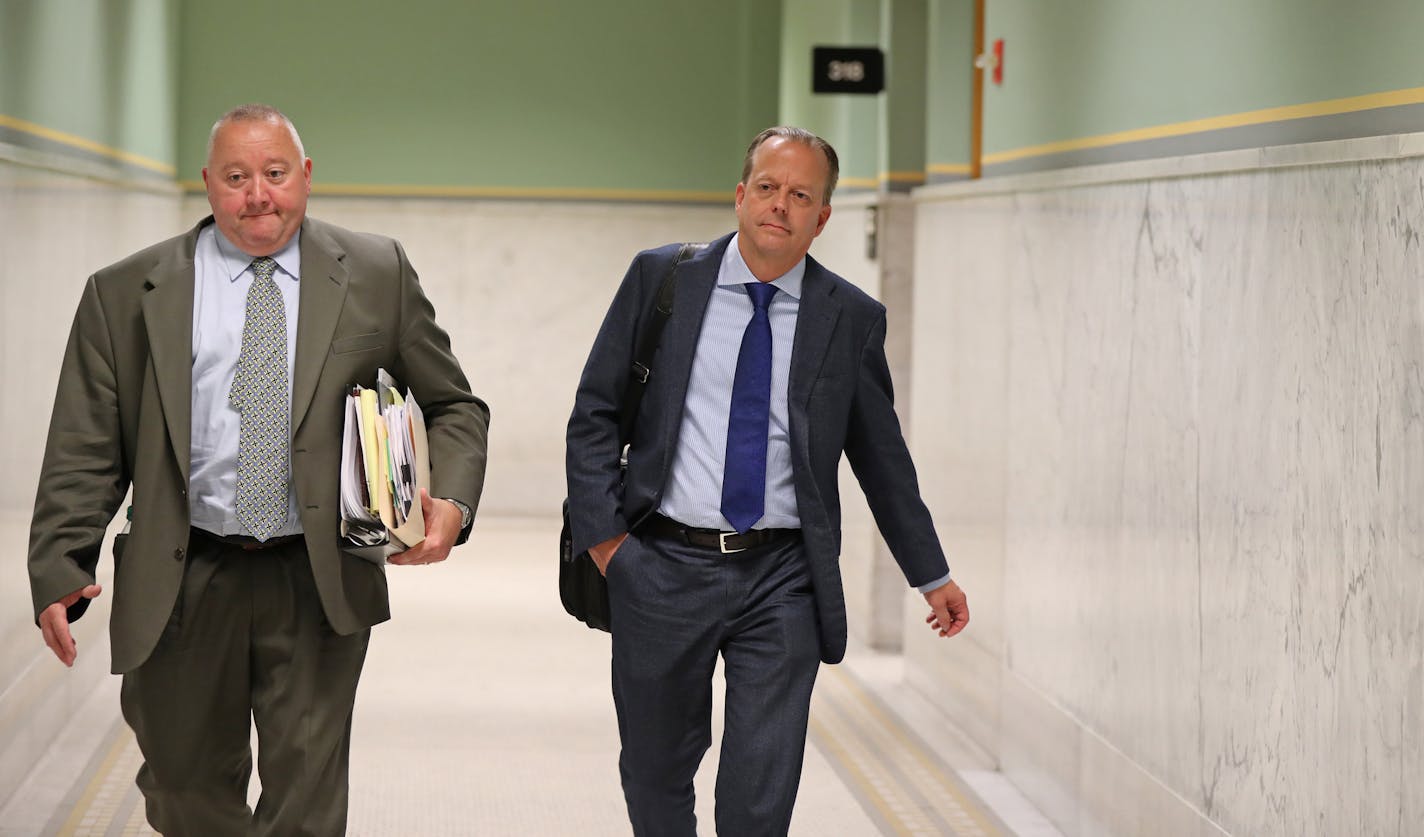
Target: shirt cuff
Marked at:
934, 585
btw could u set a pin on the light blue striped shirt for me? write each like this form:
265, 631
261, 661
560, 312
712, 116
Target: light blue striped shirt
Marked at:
693, 495
221, 276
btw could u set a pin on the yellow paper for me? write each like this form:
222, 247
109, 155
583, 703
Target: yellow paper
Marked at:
369, 448
383, 478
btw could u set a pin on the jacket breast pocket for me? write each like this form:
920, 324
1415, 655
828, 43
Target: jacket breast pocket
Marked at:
358, 343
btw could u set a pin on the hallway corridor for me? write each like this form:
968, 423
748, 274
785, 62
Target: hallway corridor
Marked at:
484, 710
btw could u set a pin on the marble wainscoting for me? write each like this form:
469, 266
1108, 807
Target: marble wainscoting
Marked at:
55, 230
1173, 415
869, 240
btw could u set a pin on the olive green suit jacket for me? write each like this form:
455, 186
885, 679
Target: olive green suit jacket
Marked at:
122, 416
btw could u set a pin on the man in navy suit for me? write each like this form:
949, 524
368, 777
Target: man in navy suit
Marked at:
723, 534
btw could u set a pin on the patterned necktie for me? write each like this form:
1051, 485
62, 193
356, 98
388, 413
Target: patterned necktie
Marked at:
259, 394
744, 471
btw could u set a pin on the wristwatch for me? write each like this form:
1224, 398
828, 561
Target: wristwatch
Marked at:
465, 513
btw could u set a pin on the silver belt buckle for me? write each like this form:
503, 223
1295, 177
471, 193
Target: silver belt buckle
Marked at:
722, 543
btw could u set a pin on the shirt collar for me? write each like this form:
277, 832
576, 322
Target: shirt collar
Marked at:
234, 261
735, 272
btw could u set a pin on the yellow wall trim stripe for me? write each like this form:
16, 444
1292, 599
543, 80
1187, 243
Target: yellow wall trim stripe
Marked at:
541, 193
86, 145
859, 182
902, 177
949, 168
1329, 107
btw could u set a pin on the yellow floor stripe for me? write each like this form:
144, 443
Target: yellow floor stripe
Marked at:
914, 749
82, 819
904, 812
109, 802
892, 772
850, 764
902, 785
922, 812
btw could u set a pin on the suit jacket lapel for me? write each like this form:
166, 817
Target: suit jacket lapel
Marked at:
167, 306
815, 323
696, 278
323, 291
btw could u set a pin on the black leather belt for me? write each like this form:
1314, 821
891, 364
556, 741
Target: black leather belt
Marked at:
724, 542
244, 542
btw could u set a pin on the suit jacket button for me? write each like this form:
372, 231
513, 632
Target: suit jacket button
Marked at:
178, 554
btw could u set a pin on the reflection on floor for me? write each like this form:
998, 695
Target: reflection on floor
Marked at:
485, 710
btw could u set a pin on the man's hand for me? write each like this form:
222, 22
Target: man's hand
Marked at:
603, 553
949, 609
54, 624
442, 527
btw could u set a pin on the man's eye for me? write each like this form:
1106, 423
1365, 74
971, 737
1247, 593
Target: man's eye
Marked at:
765, 187
802, 196
234, 179
276, 174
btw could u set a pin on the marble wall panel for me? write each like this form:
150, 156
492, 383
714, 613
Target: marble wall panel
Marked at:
1104, 392
841, 248
1206, 558
55, 231
1324, 534
871, 241
957, 415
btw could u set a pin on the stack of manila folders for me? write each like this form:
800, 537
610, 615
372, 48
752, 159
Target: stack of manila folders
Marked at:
385, 461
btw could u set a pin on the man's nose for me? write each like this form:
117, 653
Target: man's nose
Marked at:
257, 192
779, 202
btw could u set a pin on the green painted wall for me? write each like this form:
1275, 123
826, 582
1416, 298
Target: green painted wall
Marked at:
850, 123
950, 84
659, 96
1090, 68
91, 78
504, 94
905, 39
1093, 67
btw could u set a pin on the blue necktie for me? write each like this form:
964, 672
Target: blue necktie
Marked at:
744, 471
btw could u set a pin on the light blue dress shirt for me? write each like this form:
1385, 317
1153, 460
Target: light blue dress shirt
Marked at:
222, 275
693, 495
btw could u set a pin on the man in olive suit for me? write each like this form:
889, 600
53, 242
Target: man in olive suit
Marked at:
208, 372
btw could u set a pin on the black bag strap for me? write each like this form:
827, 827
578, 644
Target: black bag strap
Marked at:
648, 346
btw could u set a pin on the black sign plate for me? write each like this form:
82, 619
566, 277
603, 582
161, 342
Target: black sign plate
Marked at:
847, 70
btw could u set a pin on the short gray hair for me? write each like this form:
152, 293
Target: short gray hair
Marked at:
804, 137
255, 113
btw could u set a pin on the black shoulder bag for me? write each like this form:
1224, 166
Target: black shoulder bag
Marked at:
582, 587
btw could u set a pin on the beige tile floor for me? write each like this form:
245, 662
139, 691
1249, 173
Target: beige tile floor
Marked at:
485, 710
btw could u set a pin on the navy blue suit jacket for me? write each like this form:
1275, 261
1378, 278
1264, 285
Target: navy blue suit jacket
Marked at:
840, 400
